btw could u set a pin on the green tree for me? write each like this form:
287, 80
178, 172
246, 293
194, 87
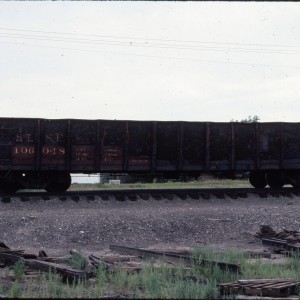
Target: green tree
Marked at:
250, 119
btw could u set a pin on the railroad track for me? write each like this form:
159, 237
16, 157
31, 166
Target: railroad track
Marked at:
157, 194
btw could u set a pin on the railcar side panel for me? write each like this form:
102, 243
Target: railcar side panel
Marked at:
193, 146
54, 141
139, 146
220, 146
291, 145
129, 146
167, 146
83, 145
18, 144
270, 141
112, 141
244, 146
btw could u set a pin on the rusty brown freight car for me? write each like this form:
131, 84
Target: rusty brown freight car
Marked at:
41, 153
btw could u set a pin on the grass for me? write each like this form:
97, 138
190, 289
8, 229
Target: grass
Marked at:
77, 261
222, 183
152, 282
211, 183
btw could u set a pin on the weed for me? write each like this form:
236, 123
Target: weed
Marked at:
101, 277
15, 290
19, 270
224, 183
77, 261
152, 281
120, 281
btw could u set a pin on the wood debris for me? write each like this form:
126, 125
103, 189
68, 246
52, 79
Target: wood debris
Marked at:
10, 257
281, 246
242, 289
284, 242
43, 263
261, 287
175, 258
291, 236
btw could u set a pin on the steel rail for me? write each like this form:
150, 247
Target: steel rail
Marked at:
157, 194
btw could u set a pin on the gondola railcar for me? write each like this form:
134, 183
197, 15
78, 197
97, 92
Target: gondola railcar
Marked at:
42, 153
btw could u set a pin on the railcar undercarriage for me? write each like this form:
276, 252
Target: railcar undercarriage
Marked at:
53, 182
274, 178
59, 182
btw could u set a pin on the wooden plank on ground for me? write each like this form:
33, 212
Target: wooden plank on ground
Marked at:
244, 297
261, 287
174, 258
64, 270
256, 281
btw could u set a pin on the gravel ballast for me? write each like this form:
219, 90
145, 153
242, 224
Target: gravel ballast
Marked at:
58, 226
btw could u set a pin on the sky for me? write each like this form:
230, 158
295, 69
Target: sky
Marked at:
178, 61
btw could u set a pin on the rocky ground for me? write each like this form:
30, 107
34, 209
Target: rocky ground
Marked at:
59, 226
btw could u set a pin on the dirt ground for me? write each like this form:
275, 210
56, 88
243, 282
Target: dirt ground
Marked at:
91, 226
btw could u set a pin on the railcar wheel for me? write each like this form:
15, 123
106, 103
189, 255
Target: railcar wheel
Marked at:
275, 180
258, 180
59, 183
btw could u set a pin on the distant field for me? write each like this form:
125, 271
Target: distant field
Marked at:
224, 183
